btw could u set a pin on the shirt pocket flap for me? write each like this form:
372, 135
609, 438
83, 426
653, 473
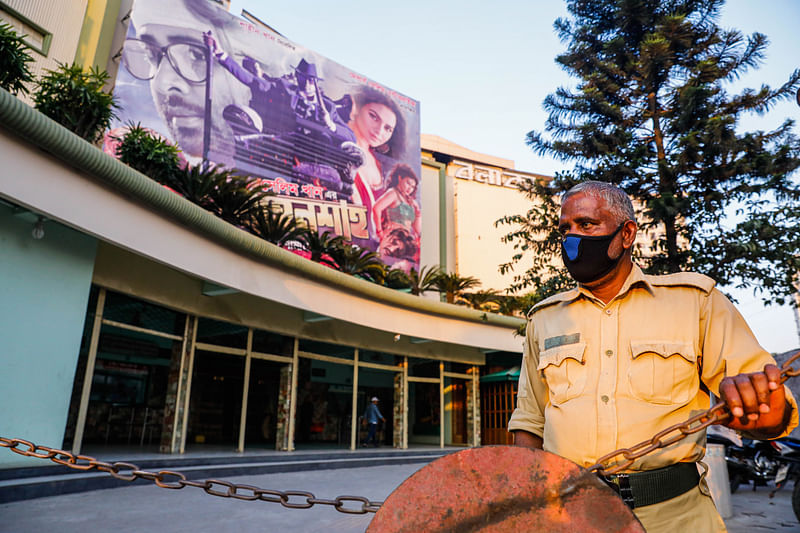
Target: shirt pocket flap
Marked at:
555, 356
664, 348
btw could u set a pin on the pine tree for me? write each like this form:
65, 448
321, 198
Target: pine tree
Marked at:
653, 113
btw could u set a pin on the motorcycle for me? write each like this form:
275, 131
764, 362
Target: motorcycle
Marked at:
747, 460
788, 458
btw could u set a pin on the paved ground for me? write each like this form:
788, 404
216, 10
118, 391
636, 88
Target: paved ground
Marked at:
148, 508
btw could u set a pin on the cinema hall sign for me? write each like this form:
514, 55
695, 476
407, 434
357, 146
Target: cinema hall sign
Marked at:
498, 177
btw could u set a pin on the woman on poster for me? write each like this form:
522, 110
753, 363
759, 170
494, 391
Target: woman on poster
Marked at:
397, 214
380, 132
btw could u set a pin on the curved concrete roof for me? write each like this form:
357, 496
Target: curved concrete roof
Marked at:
96, 194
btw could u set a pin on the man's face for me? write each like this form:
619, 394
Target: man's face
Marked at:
582, 214
307, 86
178, 96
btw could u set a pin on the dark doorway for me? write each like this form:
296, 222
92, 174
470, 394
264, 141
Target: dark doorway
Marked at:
262, 403
216, 399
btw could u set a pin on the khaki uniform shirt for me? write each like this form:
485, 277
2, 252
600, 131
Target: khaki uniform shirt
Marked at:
597, 377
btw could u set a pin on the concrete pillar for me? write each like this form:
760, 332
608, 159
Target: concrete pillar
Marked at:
171, 400
717, 478
284, 401
397, 411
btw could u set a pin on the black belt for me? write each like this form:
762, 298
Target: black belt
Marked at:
654, 486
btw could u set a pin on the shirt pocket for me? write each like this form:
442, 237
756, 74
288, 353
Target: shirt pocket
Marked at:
663, 372
564, 370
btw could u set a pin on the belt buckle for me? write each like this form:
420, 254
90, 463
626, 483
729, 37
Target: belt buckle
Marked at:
621, 484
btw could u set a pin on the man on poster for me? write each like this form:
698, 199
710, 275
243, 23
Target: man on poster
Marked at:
293, 108
298, 91
173, 59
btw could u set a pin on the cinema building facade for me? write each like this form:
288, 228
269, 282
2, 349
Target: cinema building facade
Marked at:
137, 318
133, 318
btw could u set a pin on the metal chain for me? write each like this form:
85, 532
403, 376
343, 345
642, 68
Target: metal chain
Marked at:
716, 414
298, 499
169, 479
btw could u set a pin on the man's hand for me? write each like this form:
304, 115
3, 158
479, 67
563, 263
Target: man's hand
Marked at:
757, 402
209, 41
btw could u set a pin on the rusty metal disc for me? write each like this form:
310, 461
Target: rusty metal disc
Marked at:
501, 489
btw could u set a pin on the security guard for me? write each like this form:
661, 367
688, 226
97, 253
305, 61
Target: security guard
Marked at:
625, 355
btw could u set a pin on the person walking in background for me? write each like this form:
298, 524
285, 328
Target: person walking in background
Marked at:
372, 415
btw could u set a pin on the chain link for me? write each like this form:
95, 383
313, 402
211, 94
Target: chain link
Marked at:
169, 479
716, 414
298, 499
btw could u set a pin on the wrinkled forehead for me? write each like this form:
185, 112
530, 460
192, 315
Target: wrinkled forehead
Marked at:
162, 34
582, 205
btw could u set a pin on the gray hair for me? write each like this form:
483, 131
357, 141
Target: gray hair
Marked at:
617, 200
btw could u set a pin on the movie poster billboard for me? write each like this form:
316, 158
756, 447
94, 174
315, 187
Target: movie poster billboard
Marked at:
338, 150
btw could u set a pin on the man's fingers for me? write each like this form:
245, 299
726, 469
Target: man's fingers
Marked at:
761, 386
748, 394
773, 376
729, 393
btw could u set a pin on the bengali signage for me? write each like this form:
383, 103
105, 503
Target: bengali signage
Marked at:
336, 148
499, 177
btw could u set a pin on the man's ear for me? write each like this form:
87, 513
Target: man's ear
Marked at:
629, 230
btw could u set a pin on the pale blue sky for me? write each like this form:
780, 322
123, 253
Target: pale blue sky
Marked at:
482, 69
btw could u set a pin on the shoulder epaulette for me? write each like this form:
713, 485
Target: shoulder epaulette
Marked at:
556, 298
686, 279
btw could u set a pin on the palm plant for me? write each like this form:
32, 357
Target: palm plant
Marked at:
197, 184
75, 99
359, 262
484, 300
453, 286
510, 305
275, 226
319, 245
397, 279
235, 200
425, 279
14, 59
149, 153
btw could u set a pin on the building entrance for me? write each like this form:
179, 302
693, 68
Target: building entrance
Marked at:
262, 403
324, 404
131, 358
215, 407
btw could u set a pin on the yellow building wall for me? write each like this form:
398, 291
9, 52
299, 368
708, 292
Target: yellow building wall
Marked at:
478, 248
94, 45
430, 205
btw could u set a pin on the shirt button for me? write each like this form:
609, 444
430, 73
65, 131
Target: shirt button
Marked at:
608, 311
604, 398
609, 353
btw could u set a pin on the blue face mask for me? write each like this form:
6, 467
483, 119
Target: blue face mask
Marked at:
586, 257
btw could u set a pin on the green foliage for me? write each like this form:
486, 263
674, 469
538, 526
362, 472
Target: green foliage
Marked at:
75, 99
149, 153
483, 300
536, 239
397, 279
425, 279
453, 286
14, 59
357, 261
319, 244
235, 200
273, 225
197, 184
652, 113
